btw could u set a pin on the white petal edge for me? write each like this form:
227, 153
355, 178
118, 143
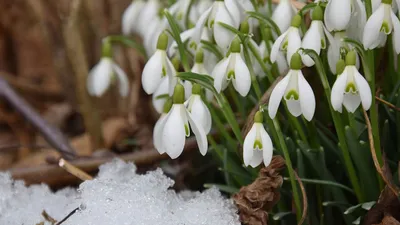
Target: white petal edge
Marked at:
101, 77
363, 89
307, 97
219, 73
248, 145
372, 28
267, 147
152, 72
276, 96
157, 133
123, 81
338, 89
199, 133
173, 132
276, 46
242, 81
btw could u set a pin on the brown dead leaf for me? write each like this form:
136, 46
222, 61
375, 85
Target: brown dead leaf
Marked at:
254, 200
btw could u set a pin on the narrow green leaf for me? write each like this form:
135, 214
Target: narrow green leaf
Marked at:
128, 42
324, 182
158, 97
212, 48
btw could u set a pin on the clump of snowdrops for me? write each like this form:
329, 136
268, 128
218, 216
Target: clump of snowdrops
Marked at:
315, 76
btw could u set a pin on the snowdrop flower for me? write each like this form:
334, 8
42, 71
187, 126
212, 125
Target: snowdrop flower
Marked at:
346, 14
283, 15
198, 109
232, 68
180, 10
350, 88
257, 145
296, 91
157, 67
280, 60
156, 130
338, 49
216, 14
315, 37
130, 17
198, 68
159, 97
103, 74
380, 24
148, 13
174, 128
289, 41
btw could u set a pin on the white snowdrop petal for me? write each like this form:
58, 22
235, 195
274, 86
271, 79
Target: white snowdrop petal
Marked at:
242, 80
223, 37
363, 89
294, 43
128, 18
198, 29
396, 33
337, 14
200, 113
267, 147
123, 81
199, 133
276, 46
312, 40
283, 15
234, 11
257, 158
153, 72
373, 27
158, 103
294, 107
101, 77
185, 35
338, 89
188, 89
219, 73
171, 73
276, 96
157, 133
351, 102
248, 145
283, 67
173, 132
307, 97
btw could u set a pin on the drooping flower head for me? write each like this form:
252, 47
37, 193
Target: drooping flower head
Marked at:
380, 24
296, 91
198, 109
350, 88
288, 42
130, 17
257, 145
158, 67
283, 15
198, 68
232, 68
172, 131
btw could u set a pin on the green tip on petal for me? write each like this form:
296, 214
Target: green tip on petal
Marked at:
340, 65
351, 58
106, 49
196, 89
179, 94
235, 45
318, 13
389, 2
200, 56
295, 62
258, 118
296, 21
162, 42
167, 105
176, 62
245, 27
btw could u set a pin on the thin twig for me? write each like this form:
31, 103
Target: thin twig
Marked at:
68, 216
390, 105
48, 218
51, 134
74, 170
305, 201
388, 182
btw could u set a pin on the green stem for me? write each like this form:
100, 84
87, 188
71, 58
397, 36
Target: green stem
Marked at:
236, 100
219, 151
286, 154
129, 42
230, 117
341, 136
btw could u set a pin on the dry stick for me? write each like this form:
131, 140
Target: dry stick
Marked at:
76, 53
305, 201
74, 170
388, 182
390, 105
51, 134
68, 216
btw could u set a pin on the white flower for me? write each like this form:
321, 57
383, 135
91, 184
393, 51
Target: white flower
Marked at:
147, 14
157, 134
198, 109
103, 74
217, 13
180, 13
296, 91
283, 14
350, 88
315, 37
289, 41
380, 24
130, 17
358, 19
162, 90
336, 48
257, 145
158, 67
232, 68
174, 128
337, 14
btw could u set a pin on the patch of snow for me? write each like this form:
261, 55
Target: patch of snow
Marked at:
117, 196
